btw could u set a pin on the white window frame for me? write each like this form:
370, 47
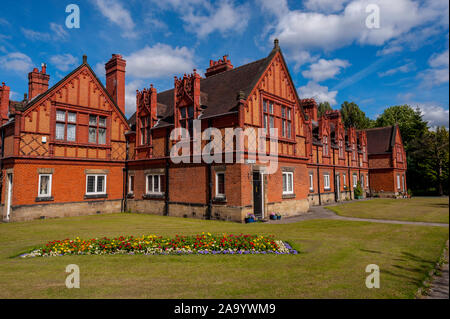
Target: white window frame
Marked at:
326, 182
49, 186
325, 145
344, 182
311, 182
398, 182
367, 180
403, 182
217, 184
288, 191
147, 190
130, 191
362, 181
355, 180
95, 184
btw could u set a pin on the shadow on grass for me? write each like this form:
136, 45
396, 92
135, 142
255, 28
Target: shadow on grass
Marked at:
415, 281
371, 251
417, 258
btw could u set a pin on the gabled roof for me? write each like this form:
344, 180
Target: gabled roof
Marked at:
381, 139
25, 105
218, 92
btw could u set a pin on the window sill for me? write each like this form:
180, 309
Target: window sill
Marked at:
153, 196
94, 196
44, 199
327, 188
287, 196
220, 199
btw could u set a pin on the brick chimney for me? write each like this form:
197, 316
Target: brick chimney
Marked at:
218, 66
115, 80
4, 103
38, 81
310, 107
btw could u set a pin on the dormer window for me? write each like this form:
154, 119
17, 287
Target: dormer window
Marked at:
364, 154
145, 130
341, 148
325, 145
187, 118
271, 113
354, 151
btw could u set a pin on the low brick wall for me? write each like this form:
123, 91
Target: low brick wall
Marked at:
56, 210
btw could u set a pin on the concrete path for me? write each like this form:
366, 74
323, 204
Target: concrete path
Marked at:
439, 286
320, 212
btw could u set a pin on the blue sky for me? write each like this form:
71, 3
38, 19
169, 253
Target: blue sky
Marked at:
331, 52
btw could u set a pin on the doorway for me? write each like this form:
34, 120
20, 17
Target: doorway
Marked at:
258, 195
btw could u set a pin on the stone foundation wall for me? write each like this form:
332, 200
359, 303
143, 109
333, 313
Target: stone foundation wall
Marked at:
56, 210
187, 210
288, 208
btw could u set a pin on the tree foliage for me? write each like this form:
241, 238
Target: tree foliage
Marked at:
427, 151
353, 116
323, 107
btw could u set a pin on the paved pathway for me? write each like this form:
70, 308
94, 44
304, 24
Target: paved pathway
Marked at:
320, 212
439, 286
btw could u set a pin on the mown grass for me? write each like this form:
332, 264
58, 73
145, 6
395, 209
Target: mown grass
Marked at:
331, 264
417, 209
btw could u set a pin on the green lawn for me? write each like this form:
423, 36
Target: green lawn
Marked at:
332, 262
416, 209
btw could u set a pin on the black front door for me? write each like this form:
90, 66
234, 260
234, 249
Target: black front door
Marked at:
257, 195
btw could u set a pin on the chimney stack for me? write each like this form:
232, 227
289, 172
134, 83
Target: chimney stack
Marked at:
4, 103
115, 80
38, 81
218, 66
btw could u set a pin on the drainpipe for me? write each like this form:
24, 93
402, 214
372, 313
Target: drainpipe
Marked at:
334, 178
1, 163
210, 186
318, 174
350, 177
125, 190
166, 192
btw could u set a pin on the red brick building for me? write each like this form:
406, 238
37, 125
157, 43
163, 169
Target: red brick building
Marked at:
57, 162
64, 149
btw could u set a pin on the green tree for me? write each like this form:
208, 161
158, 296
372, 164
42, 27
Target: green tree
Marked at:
409, 121
433, 155
323, 107
353, 116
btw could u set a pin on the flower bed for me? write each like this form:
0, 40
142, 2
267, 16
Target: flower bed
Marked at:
158, 245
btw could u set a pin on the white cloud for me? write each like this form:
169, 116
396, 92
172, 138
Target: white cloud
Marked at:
63, 62
58, 34
318, 92
114, 11
325, 5
159, 61
325, 69
16, 61
434, 115
130, 96
438, 73
224, 18
36, 35
401, 69
305, 31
